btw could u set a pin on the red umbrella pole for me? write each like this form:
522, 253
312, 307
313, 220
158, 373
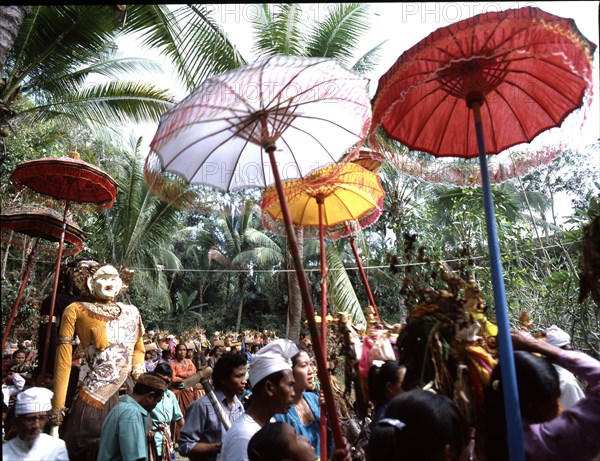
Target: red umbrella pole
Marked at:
55, 289
13, 313
323, 417
308, 307
363, 276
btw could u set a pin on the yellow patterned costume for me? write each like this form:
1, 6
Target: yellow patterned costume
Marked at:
113, 346
111, 336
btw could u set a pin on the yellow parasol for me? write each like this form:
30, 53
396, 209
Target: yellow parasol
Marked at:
337, 199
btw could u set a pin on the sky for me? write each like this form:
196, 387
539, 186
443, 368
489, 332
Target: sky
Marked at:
402, 25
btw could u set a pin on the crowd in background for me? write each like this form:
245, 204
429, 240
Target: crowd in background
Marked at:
116, 392
270, 406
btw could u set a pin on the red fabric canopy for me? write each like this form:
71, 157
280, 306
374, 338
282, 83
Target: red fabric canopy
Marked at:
67, 178
529, 69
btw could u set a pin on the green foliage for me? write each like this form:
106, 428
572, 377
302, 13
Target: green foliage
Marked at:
189, 36
223, 271
186, 315
137, 232
282, 29
56, 52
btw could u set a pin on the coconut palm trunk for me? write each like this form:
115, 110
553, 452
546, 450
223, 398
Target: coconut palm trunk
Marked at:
241, 286
11, 18
293, 288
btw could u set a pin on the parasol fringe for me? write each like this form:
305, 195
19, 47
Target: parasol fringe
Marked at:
469, 175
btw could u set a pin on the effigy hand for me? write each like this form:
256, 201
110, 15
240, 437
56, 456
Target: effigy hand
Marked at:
56, 418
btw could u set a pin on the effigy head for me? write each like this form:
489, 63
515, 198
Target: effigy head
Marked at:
105, 283
101, 282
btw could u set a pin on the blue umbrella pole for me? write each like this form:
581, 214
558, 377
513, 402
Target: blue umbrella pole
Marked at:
512, 410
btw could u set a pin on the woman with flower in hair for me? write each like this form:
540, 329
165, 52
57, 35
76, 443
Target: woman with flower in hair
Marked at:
420, 426
385, 383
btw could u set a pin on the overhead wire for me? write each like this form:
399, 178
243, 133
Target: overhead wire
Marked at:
315, 269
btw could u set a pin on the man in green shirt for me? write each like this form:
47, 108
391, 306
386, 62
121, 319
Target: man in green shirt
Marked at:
124, 434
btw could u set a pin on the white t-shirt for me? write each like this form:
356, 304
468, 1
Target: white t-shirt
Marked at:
45, 448
570, 389
235, 442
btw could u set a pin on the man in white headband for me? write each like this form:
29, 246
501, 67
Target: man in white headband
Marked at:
31, 443
272, 382
570, 389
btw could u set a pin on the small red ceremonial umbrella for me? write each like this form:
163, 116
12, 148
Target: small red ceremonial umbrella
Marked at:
276, 119
477, 87
68, 179
367, 158
44, 225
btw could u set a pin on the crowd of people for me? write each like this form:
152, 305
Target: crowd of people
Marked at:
118, 392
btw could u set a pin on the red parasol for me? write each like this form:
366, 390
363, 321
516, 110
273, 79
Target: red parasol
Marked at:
509, 74
39, 223
282, 116
69, 179
367, 158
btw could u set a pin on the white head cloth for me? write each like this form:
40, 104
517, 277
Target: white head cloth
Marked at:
33, 400
275, 356
18, 381
557, 337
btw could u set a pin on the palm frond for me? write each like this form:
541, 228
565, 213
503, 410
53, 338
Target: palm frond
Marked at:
257, 238
368, 61
189, 36
338, 35
118, 67
156, 288
58, 37
339, 288
104, 104
279, 30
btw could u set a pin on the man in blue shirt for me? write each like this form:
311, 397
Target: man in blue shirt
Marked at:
166, 412
124, 435
200, 437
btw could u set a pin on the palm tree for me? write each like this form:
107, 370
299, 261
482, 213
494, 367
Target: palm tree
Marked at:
281, 29
137, 232
11, 18
57, 49
237, 247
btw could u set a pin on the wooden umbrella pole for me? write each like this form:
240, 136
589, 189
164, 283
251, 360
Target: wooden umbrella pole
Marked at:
13, 313
308, 307
54, 291
323, 416
363, 276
